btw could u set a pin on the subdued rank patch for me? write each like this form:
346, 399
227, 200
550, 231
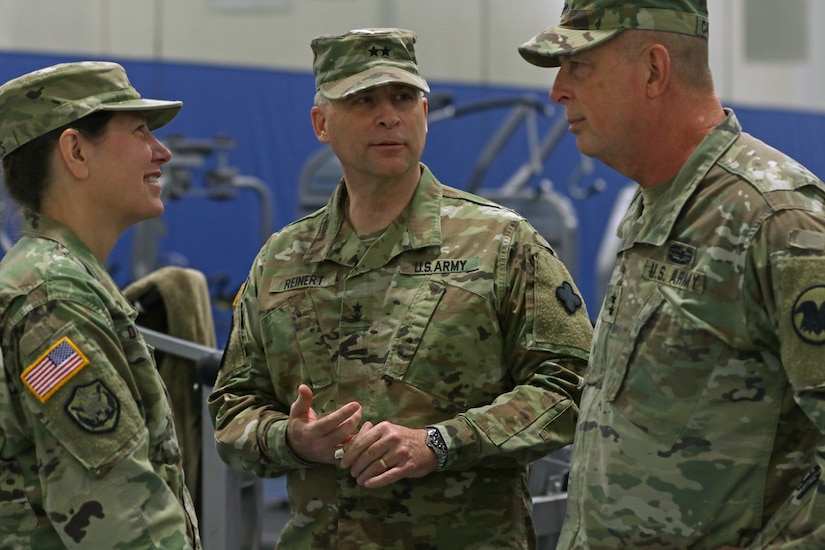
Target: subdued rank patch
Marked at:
53, 369
611, 303
94, 407
375, 51
568, 298
808, 315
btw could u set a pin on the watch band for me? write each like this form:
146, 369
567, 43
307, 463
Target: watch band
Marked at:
438, 446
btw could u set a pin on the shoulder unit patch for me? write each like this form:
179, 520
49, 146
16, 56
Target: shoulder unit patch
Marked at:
94, 407
809, 315
568, 297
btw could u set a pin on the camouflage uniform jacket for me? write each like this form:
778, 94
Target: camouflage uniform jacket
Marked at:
88, 453
704, 400
454, 317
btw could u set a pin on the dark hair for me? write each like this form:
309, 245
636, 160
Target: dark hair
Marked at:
26, 170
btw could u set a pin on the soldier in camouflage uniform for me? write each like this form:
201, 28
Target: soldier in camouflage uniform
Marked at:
703, 415
88, 453
402, 354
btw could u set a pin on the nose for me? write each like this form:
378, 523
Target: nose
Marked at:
560, 92
161, 153
387, 115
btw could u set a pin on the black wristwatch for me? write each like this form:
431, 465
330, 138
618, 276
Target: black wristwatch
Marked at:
436, 443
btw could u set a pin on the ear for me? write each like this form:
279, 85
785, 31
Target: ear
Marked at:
659, 69
319, 123
71, 148
426, 111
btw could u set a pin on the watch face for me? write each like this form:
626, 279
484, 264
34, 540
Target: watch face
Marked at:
436, 443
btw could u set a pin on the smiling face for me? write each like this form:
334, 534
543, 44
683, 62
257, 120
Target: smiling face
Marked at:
124, 167
377, 134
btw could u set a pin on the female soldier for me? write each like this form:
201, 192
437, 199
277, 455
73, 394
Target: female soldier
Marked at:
88, 452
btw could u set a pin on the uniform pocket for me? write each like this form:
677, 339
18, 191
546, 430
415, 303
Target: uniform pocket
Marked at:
622, 342
294, 336
658, 372
449, 345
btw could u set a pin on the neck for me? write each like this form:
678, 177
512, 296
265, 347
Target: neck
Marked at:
100, 238
673, 139
373, 207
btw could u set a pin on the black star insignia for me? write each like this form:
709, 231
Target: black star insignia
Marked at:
375, 50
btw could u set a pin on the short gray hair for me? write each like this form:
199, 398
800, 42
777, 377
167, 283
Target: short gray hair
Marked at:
319, 99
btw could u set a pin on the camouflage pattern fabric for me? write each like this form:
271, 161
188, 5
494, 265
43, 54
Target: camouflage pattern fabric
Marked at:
459, 315
46, 99
88, 453
703, 414
347, 64
587, 23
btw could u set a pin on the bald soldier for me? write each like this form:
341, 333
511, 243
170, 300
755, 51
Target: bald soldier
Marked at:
403, 353
703, 413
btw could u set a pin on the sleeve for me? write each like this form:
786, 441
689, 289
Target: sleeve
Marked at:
76, 383
547, 334
796, 303
249, 420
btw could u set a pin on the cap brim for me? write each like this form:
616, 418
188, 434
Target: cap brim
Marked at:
545, 49
158, 112
376, 76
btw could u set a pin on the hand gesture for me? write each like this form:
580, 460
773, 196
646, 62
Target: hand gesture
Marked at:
315, 439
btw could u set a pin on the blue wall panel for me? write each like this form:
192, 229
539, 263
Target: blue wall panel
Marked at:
266, 115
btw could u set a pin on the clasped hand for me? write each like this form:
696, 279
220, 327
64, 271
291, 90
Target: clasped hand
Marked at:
375, 455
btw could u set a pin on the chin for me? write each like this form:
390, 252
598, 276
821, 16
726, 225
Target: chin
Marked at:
156, 210
584, 147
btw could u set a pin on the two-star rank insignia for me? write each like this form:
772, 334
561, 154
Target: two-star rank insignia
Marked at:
375, 51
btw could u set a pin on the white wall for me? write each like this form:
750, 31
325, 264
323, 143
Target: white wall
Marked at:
471, 41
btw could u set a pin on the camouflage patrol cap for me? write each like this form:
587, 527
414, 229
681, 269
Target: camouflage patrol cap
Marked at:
44, 100
365, 58
588, 23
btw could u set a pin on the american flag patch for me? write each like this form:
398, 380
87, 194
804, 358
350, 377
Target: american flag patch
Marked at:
53, 369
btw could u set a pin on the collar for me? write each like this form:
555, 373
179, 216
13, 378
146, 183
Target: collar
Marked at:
418, 226
659, 221
37, 225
